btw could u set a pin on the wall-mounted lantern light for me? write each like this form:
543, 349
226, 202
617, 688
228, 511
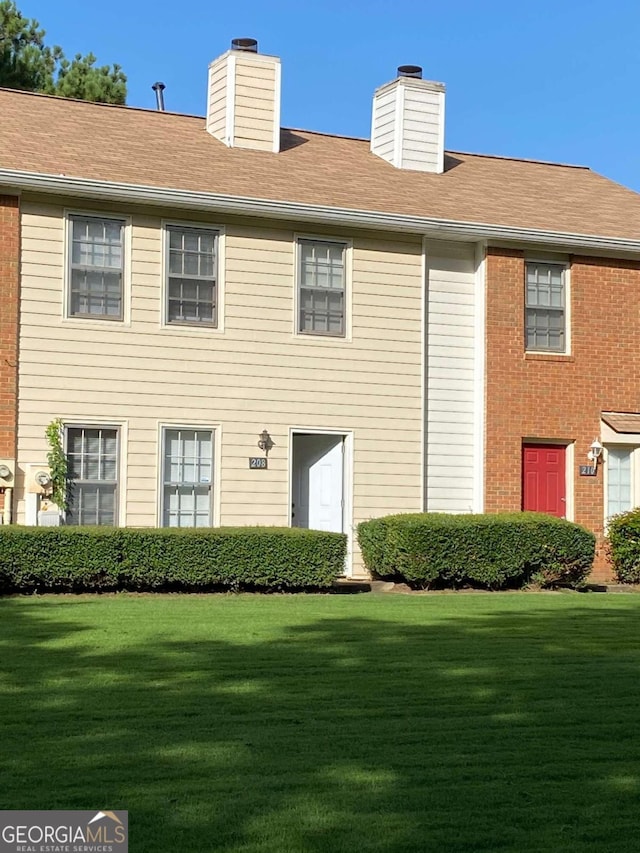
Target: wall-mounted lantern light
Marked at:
595, 451
265, 442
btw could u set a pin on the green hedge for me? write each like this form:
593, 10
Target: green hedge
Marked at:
624, 546
93, 559
492, 551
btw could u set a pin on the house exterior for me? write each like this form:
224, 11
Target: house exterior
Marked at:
242, 324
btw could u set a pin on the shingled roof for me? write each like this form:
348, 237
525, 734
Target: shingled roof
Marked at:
57, 136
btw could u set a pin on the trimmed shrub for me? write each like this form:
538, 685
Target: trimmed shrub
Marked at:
94, 559
63, 558
372, 539
491, 551
623, 541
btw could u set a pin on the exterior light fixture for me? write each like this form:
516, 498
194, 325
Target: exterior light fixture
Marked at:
595, 451
265, 442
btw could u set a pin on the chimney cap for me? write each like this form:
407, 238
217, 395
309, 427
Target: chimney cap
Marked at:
410, 71
248, 45
159, 88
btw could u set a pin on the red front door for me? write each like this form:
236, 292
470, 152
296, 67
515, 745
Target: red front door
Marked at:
543, 478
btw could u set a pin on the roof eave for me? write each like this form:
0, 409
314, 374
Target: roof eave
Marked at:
297, 211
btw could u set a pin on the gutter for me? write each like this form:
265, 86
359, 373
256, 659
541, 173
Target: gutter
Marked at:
296, 211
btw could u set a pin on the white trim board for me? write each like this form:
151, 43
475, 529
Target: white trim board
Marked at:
348, 474
479, 378
297, 211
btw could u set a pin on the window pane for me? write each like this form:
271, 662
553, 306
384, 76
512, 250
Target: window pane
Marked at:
188, 477
191, 301
556, 296
619, 498
175, 239
207, 242
190, 241
97, 238
206, 266
97, 263
321, 288
543, 295
188, 290
94, 230
545, 299
191, 283
92, 474
191, 266
544, 329
532, 294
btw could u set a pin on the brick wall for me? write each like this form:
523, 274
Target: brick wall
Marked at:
559, 397
9, 315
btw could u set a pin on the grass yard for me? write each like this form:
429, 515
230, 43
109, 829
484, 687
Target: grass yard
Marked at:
301, 724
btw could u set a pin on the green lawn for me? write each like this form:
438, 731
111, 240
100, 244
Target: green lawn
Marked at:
287, 724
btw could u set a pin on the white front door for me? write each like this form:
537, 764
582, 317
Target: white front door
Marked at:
318, 482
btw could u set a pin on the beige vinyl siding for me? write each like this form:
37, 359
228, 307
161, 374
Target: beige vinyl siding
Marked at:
255, 102
257, 374
217, 101
450, 377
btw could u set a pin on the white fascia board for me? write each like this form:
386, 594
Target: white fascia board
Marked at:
297, 211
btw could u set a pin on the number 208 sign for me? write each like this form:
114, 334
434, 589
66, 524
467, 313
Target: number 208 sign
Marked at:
257, 462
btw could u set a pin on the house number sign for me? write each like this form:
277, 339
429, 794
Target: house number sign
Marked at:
257, 462
587, 470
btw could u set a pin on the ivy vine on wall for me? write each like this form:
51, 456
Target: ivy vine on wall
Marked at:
57, 462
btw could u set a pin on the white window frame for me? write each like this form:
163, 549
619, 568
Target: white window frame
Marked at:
216, 432
122, 430
558, 262
629, 442
192, 328
319, 337
127, 240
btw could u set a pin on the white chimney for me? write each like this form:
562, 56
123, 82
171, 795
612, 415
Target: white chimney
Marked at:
243, 98
407, 128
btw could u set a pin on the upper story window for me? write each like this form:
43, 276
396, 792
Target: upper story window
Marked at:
545, 307
96, 268
321, 288
191, 286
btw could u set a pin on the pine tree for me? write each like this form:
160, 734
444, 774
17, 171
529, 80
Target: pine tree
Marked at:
27, 63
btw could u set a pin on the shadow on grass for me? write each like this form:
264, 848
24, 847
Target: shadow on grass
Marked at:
512, 731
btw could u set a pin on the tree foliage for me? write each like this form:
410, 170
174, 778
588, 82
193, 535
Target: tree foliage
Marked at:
27, 63
57, 462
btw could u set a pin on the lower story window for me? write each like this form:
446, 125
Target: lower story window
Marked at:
620, 492
187, 477
92, 458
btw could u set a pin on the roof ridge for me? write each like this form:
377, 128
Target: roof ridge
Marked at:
520, 159
323, 133
128, 107
327, 133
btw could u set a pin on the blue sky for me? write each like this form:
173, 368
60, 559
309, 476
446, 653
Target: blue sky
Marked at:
547, 80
